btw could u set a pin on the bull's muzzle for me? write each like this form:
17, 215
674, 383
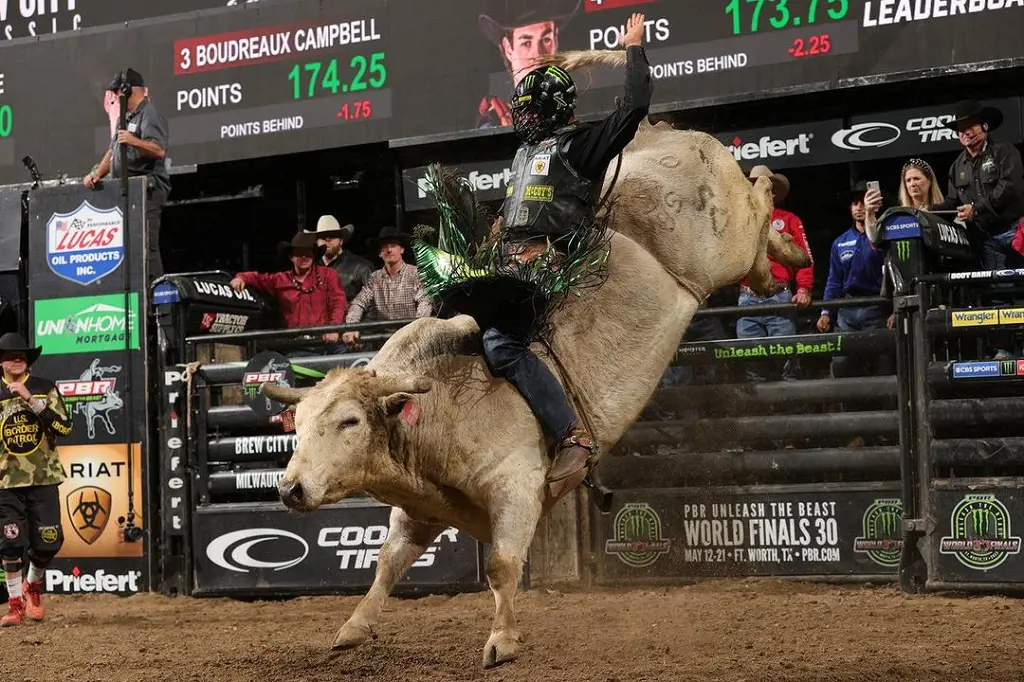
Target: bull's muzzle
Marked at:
291, 493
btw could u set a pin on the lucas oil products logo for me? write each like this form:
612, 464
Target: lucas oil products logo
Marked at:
85, 245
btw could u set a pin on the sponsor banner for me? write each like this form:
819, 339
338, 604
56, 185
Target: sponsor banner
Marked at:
488, 178
817, 345
87, 324
805, 144
978, 536
93, 389
331, 549
277, 447
174, 481
94, 501
689, 532
916, 132
85, 245
977, 317
986, 369
266, 367
123, 577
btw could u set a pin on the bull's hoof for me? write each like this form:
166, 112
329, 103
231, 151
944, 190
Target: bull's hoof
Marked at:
501, 647
352, 635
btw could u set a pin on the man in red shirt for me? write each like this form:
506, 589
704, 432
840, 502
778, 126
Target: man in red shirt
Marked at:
308, 295
774, 324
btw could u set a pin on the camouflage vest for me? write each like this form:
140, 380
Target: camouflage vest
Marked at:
545, 196
28, 448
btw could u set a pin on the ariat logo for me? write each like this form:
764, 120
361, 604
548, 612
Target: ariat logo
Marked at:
89, 511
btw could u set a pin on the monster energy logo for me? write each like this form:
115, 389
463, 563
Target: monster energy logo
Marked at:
638, 542
1007, 368
880, 526
902, 249
980, 536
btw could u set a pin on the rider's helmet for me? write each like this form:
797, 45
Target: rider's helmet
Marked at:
542, 102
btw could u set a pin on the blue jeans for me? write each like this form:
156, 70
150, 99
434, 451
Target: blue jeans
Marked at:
997, 254
508, 355
767, 325
858, 320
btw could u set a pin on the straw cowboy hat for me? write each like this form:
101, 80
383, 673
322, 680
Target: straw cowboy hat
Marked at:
780, 183
512, 13
971, 110
12, 342
301, 240
328, 227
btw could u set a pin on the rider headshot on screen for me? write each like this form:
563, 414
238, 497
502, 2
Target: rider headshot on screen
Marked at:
521, 34
562, 161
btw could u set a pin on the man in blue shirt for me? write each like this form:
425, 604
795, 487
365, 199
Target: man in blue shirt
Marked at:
855, 269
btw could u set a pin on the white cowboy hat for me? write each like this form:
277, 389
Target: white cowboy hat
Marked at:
328, 227
780, 183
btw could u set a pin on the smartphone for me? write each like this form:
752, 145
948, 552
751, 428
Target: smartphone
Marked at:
873, 185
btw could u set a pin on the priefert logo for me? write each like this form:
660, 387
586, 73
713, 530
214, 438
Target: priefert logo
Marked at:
99, 581
767, 148
480, 181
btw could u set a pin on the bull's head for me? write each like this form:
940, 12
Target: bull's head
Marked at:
344, 427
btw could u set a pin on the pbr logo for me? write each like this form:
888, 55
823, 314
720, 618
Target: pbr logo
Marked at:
265, 367
89, 511
93, 396
980, 535
880, 526
86, 245
637, 542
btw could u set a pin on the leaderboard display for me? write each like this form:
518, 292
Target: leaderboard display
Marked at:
242, 80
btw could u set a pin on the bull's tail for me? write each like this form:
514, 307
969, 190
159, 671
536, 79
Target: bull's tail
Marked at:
578, 59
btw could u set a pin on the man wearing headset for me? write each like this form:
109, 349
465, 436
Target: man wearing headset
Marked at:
147, 139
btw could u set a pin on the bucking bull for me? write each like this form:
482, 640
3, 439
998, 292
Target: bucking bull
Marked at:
427, 429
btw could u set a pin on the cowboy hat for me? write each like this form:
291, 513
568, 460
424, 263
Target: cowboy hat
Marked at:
134, 79
512, 13
971, 110
328, 227
780, 183
392, 234
857, 192
12, 342
301, 240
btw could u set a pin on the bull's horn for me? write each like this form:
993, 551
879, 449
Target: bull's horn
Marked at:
402, 383
287, 396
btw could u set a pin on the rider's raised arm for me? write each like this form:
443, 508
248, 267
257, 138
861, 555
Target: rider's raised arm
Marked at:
595, 146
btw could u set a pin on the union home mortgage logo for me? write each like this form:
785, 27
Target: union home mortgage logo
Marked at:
87, 324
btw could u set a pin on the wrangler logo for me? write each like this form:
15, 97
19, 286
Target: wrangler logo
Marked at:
974, 318
539, 193
1011, 316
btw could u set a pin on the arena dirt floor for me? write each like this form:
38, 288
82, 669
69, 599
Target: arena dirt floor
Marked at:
741, 630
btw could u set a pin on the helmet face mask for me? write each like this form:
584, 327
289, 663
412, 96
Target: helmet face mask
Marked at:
543, 101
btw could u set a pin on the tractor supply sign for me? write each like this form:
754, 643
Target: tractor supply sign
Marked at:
85, 245
87, 324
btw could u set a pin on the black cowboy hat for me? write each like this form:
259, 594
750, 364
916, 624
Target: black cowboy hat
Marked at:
511, 13
390, 233
971, 110
848, 196
301, 240
14, 342
134, 79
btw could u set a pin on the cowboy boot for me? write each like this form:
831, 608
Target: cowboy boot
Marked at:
573, 456
15, 614
33, 599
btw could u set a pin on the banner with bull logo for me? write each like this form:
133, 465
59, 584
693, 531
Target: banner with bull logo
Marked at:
88, 302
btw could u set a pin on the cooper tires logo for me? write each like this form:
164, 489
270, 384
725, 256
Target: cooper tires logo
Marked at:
231, 551
866, 136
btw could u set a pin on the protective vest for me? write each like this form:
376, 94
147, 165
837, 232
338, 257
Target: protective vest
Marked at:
28, 447
545, 196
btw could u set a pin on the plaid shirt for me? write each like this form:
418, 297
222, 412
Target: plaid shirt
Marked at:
317, 300
393, 298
